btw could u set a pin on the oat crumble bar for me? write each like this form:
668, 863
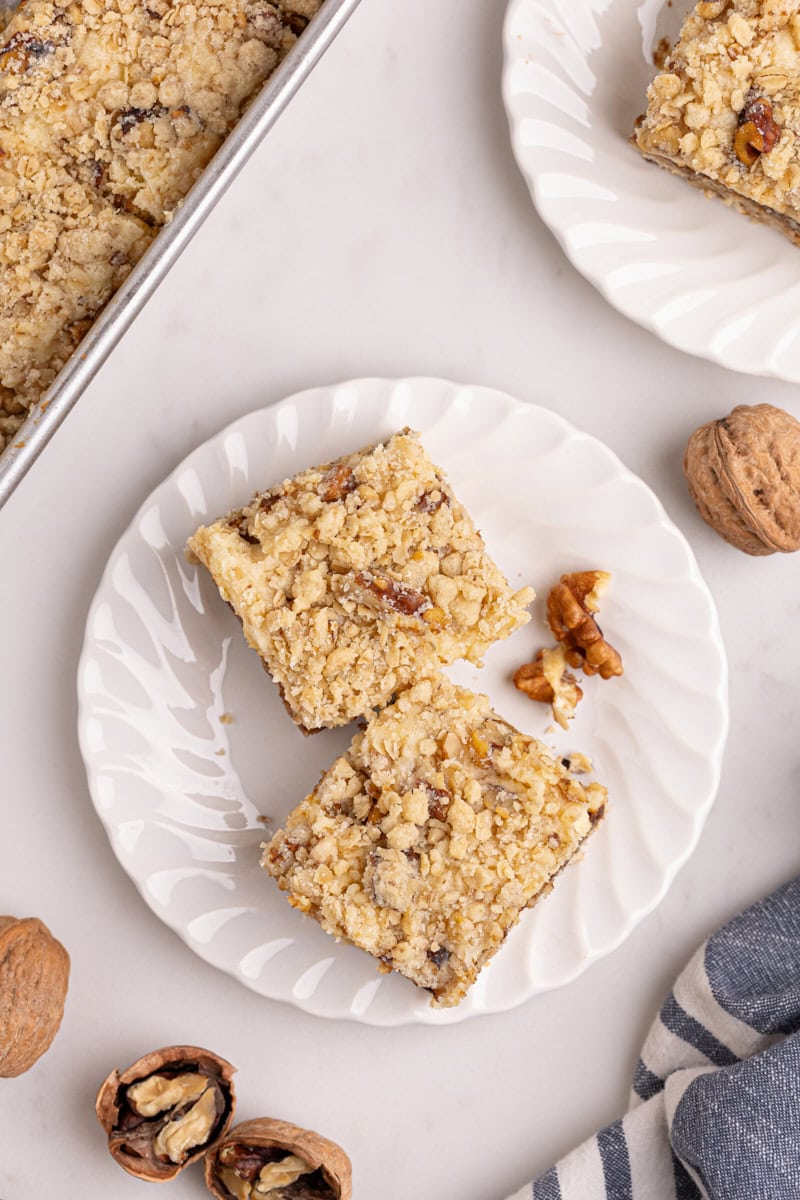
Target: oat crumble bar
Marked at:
60, 249
424, 843
127, 100
356, 577
725, 111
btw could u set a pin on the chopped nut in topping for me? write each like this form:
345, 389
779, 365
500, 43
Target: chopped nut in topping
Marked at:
430, 502
427, 839
22, 51
338, 483
403, 600
757, 133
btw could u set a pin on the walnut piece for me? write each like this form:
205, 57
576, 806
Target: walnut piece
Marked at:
571, 608
191, 1128
34, 972
166, 1110
548, 681
22, 51
743, 473
271, 1158
338, 483
757, 132
404, 600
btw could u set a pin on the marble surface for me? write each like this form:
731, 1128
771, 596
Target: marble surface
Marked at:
382, 228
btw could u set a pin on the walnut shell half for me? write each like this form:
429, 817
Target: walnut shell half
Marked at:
166, 1110
744, 476
271, 1159
34, 972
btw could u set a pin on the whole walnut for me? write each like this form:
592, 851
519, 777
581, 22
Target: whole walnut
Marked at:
744, 476
34, 971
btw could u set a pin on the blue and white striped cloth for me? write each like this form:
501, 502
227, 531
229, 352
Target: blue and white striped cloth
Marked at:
715, 1106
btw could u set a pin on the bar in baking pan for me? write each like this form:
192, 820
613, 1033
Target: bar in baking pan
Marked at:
117, 174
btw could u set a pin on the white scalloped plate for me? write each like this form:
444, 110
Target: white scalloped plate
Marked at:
180, 787
704, 278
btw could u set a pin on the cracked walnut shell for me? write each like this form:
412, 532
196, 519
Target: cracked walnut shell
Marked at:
166, 1110
743, 473
278, 1160
34, 972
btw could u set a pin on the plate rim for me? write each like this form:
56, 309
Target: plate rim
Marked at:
720, 694
761, 367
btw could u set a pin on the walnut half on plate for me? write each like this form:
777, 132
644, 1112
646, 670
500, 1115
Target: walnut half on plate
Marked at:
572, 607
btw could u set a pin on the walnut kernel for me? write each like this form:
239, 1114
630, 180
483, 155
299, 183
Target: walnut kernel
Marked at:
757, 132
548, 681
22, 51
338, 483
265, 1156
571, 608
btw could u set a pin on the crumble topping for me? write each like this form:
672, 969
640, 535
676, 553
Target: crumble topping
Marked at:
725, 111
354, 578
424, 843
109, 111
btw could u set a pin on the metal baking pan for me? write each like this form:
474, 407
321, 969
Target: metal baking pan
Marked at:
48, 413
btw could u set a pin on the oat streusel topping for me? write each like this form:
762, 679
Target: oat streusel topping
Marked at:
354, 578
424, 843
62, 251
127, 100
725, 111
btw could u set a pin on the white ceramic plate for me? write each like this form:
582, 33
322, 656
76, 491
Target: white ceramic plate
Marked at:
702, 277
180, 787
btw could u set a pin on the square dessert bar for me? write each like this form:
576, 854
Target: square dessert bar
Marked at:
725, 111
424, 843
355, 578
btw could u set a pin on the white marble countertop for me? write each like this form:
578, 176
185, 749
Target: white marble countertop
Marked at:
381, 229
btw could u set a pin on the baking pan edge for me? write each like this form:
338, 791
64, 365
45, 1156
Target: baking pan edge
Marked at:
51, 409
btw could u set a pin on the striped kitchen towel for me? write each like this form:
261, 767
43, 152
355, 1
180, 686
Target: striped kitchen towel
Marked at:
715, 1106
